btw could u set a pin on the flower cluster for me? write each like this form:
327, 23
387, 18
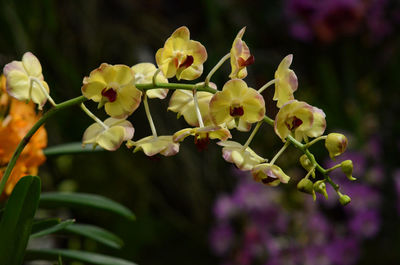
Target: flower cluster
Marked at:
258, 226
211, 112
16, 118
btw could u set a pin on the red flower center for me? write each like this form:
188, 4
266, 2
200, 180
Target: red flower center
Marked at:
201, 142
236, 111
187, 62
243, 63
296, 122
110, 94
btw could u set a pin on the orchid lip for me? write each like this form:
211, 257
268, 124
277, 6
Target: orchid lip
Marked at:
236, 111
296, 122
243, 63
110, 94
187, 63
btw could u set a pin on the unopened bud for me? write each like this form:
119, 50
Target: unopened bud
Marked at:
347, 168
336, 144
305, 185
344, 199
306, 164
320, 187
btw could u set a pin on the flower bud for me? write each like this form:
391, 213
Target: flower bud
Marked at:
306, 164
336, 144
344, 199
320, 187
305, 185
347, 168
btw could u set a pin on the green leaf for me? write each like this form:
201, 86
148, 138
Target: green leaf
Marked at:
41, 224
55, 228
84, 200
96, 233
17, 219
77, 255
71, 148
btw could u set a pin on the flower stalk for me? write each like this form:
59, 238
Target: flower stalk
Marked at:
31, 132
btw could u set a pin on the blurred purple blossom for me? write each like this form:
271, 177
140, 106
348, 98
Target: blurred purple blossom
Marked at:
261, 225
397, 187
329, 19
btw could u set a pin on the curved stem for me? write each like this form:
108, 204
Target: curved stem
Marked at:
315, 140
148, 115
333, 168
253, 133
279, 152
196, 107
266, 85
154, 79
310, 172
43, 89
198, 87
31, 132
215, 68
94, 117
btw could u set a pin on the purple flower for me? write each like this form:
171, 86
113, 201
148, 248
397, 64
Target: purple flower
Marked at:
365, 224
342, 251
221, 239
397, 187
224, 207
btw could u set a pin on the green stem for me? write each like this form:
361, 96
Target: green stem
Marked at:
266, 85
148, 114
196, 107
279, 153
215, 68
333, 168
334, 185
43, 89
154, 79
310, 172
32, 131
315, 140
268, 120
198, 87
253, 133
94, 117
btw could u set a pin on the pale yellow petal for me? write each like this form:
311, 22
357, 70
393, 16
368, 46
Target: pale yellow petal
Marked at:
112, 138
18, 85
32, 65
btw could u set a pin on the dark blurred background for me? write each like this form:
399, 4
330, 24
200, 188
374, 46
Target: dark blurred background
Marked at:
193, 208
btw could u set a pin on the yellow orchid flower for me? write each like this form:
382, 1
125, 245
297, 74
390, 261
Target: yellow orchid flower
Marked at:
299, 119
113, 86
182, 102
144, 73
285, 82
244, 158
270, 175
109, 137
240, 57
152, 145
237, 102
181, 56
25, 80
202, 135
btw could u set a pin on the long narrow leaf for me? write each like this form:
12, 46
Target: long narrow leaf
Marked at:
42, 224
71, 148
96, 233
77, 255
17, 219
50, 230
84, 200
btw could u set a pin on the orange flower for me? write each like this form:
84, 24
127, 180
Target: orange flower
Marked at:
16, 119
